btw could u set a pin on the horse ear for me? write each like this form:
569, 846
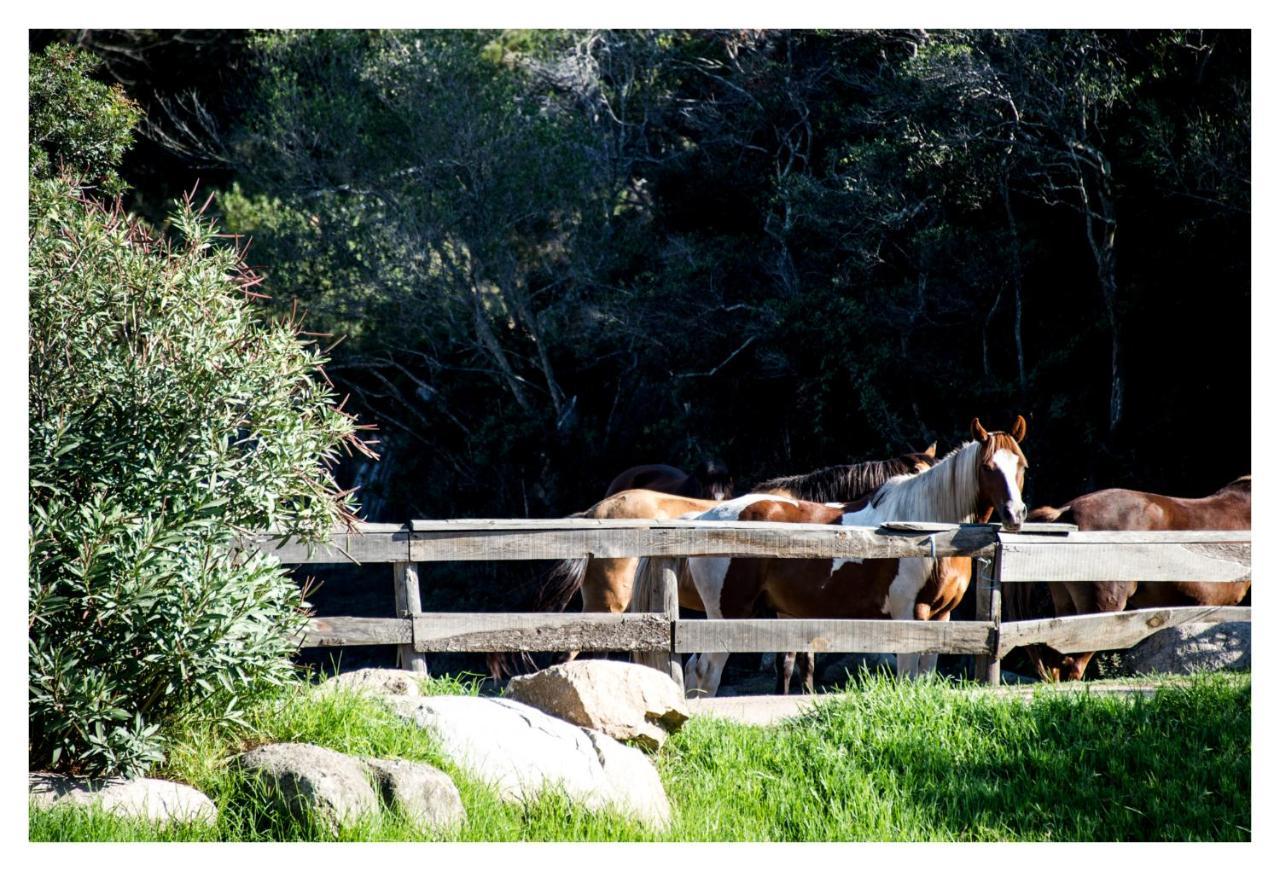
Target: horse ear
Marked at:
1019, 430
976, 430
931, 451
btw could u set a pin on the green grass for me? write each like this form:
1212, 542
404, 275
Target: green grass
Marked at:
886, 761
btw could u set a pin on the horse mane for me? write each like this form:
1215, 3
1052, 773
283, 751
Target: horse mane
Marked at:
947, 492
838, 483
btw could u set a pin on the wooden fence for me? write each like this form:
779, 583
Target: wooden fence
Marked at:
1040, 552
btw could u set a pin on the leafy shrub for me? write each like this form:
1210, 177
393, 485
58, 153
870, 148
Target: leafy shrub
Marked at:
74, 123
165, 414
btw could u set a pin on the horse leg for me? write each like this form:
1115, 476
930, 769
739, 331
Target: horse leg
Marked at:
703, 670
1093, 598
903, 590
606, 588
807, 660
783, 665
929, 661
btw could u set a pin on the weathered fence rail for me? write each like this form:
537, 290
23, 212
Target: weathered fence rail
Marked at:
1041, 552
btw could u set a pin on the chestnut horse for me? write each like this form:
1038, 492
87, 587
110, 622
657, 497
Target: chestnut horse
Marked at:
979, 476
1115, 509
709, 480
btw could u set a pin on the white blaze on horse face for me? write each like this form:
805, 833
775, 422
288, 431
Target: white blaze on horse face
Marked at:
1007, 463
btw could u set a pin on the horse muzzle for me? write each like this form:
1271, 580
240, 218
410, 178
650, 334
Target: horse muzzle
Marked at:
1013, 515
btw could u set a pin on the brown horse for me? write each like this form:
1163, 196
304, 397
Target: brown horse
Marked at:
843, 484
1115, 509
709, 480
969, 483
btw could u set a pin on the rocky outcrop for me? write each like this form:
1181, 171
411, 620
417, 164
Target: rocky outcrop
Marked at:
1190, 648
625, 701
521, 752
159, 801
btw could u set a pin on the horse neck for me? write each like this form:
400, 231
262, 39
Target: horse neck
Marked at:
946, 493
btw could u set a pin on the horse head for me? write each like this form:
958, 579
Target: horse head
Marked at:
1002, 468
715, 479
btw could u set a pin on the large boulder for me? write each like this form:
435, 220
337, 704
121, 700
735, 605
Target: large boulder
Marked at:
521, 752
424, 793
374, 681
1190, 648
310, 779
159, 801
625, 701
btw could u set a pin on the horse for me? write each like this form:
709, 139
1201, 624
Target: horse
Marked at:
606, 583
710, 479
981, 476
843, 483
1116, 509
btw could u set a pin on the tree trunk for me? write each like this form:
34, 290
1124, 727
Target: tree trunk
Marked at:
1015, 257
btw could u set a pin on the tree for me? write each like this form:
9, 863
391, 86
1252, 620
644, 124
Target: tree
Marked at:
166, 415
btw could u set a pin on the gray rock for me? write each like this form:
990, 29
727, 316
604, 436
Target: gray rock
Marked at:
160, 801
314, 779
1190, 648
375, 681
423, 792
626, 701
521, 752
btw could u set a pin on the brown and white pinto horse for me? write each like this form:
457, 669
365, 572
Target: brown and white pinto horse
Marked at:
709, 480
606, 582
967, 484
844, 483
1115, 509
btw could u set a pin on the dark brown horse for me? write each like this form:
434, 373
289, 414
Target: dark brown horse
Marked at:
968, 484
710, 479
1115, 510
843, 483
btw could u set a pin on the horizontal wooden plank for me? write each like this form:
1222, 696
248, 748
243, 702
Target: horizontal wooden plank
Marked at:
1118, 560
705, 538
459, 633
1030, 535
1112, 631
355, 631
387, 545
835, 636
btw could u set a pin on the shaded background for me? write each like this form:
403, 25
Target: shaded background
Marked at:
551, 255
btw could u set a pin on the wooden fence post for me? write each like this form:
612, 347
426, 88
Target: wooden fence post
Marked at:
988, 667
409, 604
665, 599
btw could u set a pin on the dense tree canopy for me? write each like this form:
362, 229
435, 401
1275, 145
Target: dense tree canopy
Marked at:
550, 255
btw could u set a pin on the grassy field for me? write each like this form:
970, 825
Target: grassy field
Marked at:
887, 761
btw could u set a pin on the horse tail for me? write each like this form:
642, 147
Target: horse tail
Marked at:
1045, 514
649, 579
561, 584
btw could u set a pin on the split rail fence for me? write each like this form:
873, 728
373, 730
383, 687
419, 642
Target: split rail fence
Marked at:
1051, 553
